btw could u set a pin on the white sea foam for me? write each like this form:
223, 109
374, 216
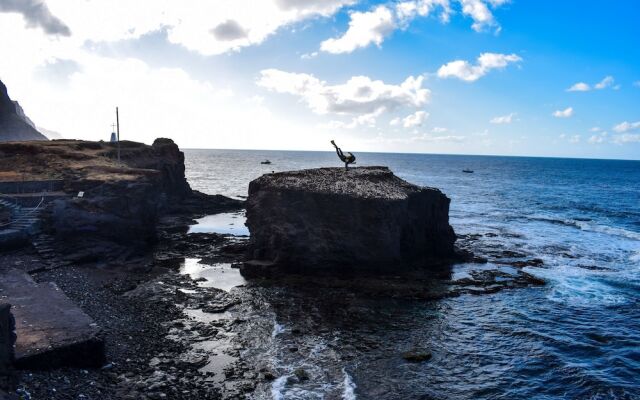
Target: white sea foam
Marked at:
609, 230
579, 286
277, 329
349, 390
277, 388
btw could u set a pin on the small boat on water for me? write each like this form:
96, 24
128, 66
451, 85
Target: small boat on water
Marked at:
266, 162
468, 171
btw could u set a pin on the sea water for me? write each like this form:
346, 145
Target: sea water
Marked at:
576, 337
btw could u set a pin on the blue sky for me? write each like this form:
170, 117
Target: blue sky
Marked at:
293, 74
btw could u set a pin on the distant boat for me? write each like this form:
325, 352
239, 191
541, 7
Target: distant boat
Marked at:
265, 162
468, 171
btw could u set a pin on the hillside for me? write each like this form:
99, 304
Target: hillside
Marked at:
14, 124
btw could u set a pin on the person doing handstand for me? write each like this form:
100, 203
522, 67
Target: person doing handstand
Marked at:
347, 158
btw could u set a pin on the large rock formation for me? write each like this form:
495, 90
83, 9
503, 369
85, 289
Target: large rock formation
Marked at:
121, 200
360, 218
14, 124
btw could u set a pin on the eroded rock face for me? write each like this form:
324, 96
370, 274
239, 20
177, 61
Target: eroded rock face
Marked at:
329, 218
14, 124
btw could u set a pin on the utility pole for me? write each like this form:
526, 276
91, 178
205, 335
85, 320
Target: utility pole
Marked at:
118, 132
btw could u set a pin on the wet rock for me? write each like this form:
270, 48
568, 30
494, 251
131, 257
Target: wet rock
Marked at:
329, 218
416, 356
301, 374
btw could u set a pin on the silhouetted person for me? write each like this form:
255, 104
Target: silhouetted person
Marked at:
347, 158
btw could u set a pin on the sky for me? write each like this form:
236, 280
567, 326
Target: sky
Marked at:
501, 77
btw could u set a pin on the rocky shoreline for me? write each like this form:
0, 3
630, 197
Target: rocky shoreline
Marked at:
169, 334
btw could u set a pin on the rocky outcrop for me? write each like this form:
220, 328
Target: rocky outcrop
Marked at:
121, 212
331, 218
14, 124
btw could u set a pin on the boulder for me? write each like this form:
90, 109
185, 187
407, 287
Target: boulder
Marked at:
332, 218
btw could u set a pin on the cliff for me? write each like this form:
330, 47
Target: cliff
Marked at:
121, 201
332, 218
14, 124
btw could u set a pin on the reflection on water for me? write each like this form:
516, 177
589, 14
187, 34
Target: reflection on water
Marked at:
224, 224
218, 275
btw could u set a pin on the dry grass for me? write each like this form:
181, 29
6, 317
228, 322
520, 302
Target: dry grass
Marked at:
69, 159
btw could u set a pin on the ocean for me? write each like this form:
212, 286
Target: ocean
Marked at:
576, 337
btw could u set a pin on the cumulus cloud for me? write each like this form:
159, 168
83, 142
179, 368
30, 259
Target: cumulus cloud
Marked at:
626, 138
626, 126
566, 113
579, 87
360, 95
480, 13
414, 120
373, 26
606, 82
598, 138
468, 72
37, 15
57, 70
505, 119
206, 27
364, 28
229, 30
574, 139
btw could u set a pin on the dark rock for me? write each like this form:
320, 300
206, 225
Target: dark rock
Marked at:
301, 374
360, 218
416, 356
14, 125
7, 338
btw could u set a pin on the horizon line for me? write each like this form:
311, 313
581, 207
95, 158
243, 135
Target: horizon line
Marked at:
418, 153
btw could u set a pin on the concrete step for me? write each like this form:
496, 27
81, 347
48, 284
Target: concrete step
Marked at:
52, 332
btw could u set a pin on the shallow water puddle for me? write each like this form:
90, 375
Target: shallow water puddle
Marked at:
219, 275
224, 224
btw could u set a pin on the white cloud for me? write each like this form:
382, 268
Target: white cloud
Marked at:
465, 71
206, 27
365, 28
360, 95
480, 13
505, 119
579, 87
566, 113
626, 126
37, 15
415, 119
626, 138
595, 129
606, 82
373, 26
636, 83
438, 129
574, 139
599, 138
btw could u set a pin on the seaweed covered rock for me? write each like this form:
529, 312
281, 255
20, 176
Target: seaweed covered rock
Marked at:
332, 218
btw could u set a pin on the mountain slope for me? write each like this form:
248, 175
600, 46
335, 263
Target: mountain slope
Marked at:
14, 125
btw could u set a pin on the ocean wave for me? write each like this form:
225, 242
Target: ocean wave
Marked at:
575, 285
349, 391
585, 224
609, 230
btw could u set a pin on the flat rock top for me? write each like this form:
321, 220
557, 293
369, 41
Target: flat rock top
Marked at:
362, 182
46, 319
